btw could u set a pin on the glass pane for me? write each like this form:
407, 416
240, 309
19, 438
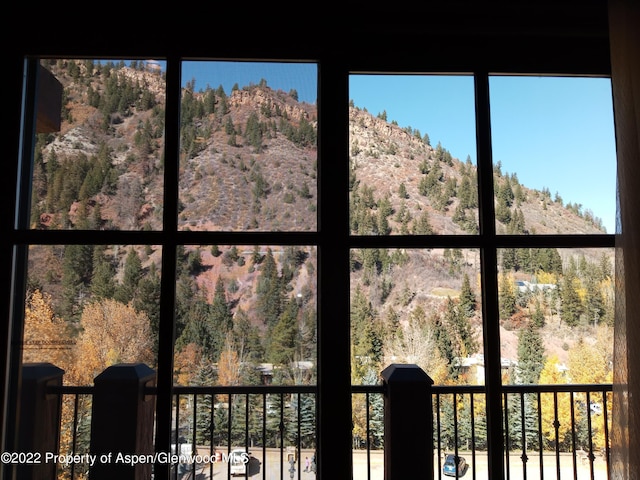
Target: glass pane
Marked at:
412, 155
416, 306
246, 315
101, 168
92, 306
248, 149
556, 310
556, 328
554, 155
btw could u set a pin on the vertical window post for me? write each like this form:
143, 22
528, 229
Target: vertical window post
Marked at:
489, 275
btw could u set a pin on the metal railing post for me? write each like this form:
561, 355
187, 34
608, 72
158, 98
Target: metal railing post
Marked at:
122, 422
408, 423
40, 414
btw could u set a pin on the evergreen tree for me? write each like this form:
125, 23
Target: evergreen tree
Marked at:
220, 316
466, 194
147, 300
256, 256
571, 308
307, 406
467, 297
537, 318
531, 358
132, 275
199, 329
204, 423
209, 101
594, 307
269, 290
423, 226
376, 411
253, 132
366, 334
523, 432
462, 341
77, 269
402, 191
282, 337
246, 338
506, 297
510, 260
102, 280
444, 343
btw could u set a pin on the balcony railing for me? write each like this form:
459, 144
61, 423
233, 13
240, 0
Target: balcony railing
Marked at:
565, 432
550, 431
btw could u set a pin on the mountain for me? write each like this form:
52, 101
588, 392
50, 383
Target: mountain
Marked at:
248, 162
385, 156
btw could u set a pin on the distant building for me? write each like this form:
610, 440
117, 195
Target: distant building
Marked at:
473, 366
524, 286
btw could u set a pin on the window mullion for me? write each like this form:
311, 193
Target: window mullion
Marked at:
19, 253
166, 332
489, 276
334, 379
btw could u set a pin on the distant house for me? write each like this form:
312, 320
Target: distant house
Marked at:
524, 286
473, 366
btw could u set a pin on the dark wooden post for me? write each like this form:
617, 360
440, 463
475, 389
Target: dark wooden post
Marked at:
122, 422
408, 423
39, 419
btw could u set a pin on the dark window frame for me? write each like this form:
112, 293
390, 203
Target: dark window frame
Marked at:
332, 238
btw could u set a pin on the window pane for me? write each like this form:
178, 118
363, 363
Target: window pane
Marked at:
412, 153
92, 306
554, 155
556, 315
102, 168
556, 327
416, 306
246, 315
248, 150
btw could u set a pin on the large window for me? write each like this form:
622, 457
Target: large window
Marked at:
413, 175
230, 223
520, 292
188, 243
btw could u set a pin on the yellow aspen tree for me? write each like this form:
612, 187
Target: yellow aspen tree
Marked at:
589, 364
552, 375
229, 364
112, 333
186, 364
46, 336
47, 339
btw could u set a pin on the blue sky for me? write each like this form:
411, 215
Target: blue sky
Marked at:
303, 77
552, 132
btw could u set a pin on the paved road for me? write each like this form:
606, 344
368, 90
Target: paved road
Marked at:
516, 471
269, 470
376, 470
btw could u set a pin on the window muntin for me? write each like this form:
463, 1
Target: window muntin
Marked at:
553, 154
102, 171
248, 148
412, 167
246, 315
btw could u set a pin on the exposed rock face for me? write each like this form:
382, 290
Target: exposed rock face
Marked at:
257, 98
